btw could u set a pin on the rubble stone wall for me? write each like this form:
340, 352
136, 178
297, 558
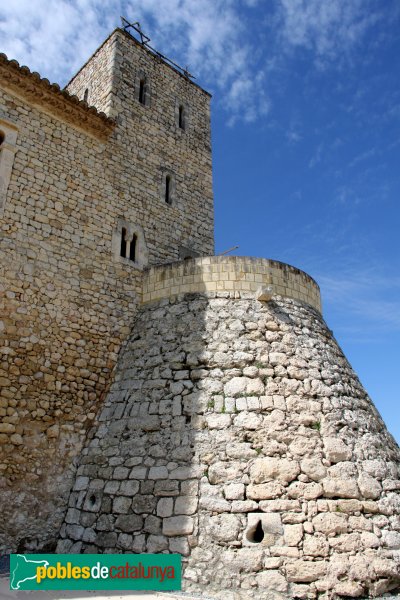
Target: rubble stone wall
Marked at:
236, 433
68, 299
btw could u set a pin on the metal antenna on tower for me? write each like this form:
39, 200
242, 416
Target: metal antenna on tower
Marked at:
144, 39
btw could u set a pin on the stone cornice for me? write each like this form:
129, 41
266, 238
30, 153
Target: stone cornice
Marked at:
49, 96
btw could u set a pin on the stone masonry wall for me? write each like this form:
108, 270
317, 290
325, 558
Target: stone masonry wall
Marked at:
230, 273
67, 297
236, 433
150, 144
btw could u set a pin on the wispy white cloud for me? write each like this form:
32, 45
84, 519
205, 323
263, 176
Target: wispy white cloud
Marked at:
345, 194
329, 29
57, 36
369, 295
317, 156
213, 37
371, 153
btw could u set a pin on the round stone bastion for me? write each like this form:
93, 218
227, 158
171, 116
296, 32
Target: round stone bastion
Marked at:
236, 434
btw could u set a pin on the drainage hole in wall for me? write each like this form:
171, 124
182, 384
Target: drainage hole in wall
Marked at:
92, 499
256, 534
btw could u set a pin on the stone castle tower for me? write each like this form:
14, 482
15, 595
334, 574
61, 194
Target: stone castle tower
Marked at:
152, 404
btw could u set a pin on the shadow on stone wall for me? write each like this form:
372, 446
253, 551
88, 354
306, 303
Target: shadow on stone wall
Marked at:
137, 482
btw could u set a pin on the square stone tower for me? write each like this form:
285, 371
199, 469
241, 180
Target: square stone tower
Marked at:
160, 162
97, 182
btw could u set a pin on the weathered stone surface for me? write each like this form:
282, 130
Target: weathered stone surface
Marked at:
315, 546
314, 468
265, 469
221, 472
305, 571
330, 523
129, 523
308, 491
352, 589
251, 472
235, 491
264, 491
336, 450
224, 527
346, 488
177, 525
293, 534
369, 486
348, 542
272, 580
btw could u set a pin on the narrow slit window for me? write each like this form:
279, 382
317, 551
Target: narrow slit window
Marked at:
142, 91
132, 249
2, 138
86, 94
168, 189
123, 243
181, 119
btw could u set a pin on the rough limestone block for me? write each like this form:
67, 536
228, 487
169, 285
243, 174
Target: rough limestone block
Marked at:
122, 504
346, 488
186, 505
156, 544
224, 527
347, 542
272, 580
129, 523
244, 560
264, 491
305, 571
218, 421
329, 523
158, 473
313, 468
234, 491
315, 546
247, 420
178, 525
369, 486
293, 534
264, 293
308, 491
265, 469
221, 472
336, 450
165, 507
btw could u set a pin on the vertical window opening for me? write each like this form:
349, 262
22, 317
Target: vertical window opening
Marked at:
2, 138
142, 89
132, 249
123, 243
86, 94
168, 189
181, 117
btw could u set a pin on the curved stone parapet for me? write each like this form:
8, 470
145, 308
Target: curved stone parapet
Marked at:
241, 274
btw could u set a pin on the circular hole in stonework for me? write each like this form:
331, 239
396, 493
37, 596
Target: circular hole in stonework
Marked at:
256, 534
92, 499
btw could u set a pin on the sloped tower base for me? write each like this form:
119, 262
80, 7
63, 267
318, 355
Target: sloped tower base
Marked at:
237, 434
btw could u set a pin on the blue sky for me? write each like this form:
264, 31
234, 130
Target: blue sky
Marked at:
306, 138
